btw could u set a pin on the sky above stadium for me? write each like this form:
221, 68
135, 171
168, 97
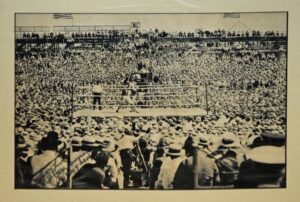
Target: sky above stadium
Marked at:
167, 22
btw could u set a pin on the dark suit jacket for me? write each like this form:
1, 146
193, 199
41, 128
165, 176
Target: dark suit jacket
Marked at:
88, 177
253, 174
207, 172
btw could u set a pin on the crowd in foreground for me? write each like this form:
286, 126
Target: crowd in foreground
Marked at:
149, 152
240, 143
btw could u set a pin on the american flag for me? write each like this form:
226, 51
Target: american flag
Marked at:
62, 16
231, 15
135, 24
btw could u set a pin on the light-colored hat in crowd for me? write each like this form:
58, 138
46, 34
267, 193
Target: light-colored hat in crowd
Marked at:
175, 150
57, 129
214, 132
273, 132
20, 142
108, 145
229, 140
89, 141
153, 143
76, 141
20, 130
62, 144
203, 140
76, 133
267, 155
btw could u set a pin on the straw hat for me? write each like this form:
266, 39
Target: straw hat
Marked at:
175, 150
76, 141
229, 140
20, 130
89, 141
62, 144
274, 133
267, 155
202, 141
108, 145
20, 142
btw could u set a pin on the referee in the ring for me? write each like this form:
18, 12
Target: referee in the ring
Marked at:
97, 92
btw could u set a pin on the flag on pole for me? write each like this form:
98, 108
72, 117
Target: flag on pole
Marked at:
135, 24
62, 16
231, 15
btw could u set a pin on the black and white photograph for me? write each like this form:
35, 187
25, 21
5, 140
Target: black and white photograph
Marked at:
150, 101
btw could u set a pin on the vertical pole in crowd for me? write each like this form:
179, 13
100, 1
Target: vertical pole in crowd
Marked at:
197, 97
195, 163
72, 97
69, 168
206, 96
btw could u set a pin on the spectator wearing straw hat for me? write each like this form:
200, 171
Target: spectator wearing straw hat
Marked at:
272, 135
112, 171
89, 143
205, 171
228, 158
126, 145
158, 158
264, 167
174, 157
265, 164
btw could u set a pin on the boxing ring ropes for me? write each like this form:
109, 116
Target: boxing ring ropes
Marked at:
158, 100
149, 100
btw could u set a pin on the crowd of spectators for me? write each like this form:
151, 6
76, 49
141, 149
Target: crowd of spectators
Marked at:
153, 33
246, 103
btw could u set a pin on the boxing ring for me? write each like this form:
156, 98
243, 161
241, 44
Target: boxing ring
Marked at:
150, 100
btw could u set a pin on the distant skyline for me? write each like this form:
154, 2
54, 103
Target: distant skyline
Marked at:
168, 22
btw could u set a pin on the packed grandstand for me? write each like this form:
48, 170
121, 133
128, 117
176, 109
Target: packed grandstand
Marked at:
239, 80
